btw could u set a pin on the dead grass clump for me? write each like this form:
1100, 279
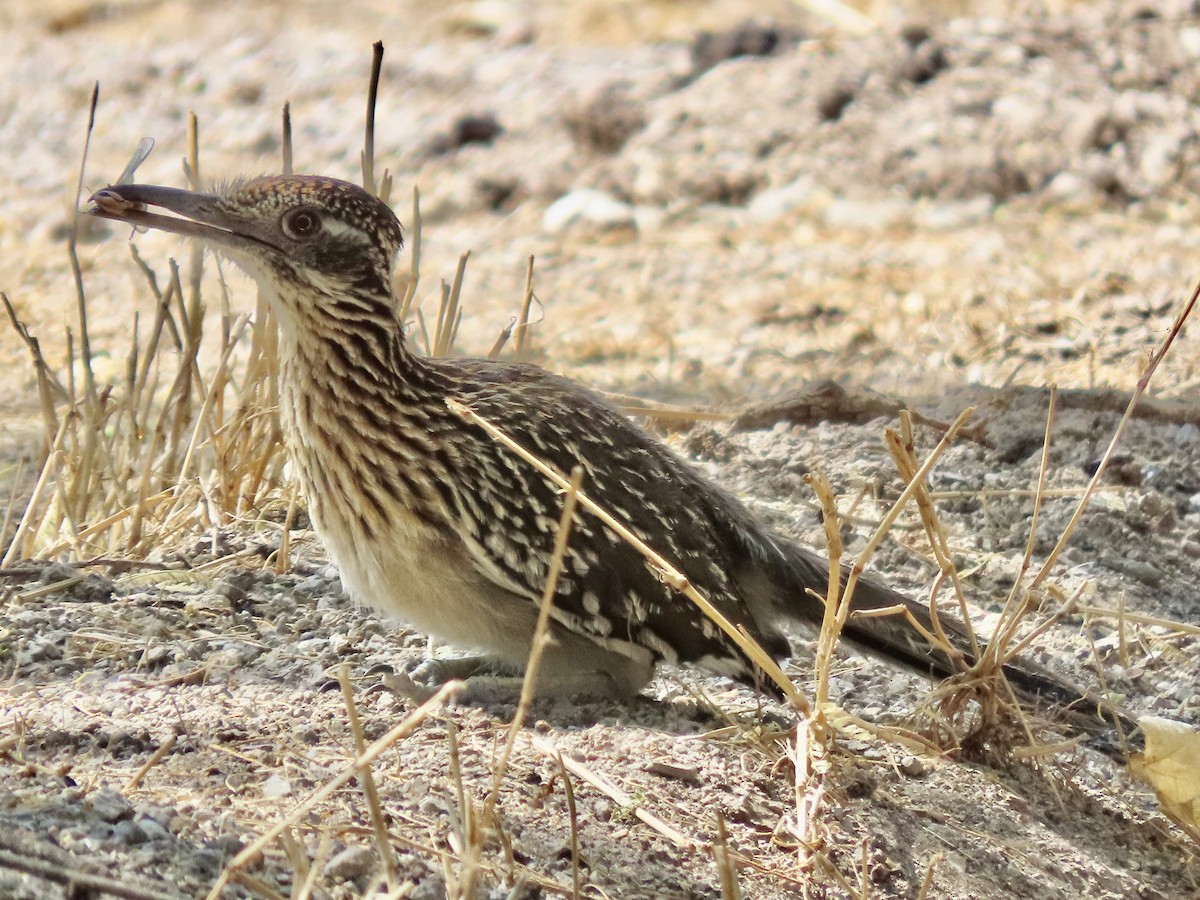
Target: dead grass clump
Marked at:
167, 446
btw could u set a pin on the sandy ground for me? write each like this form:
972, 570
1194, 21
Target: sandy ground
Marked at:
953, 214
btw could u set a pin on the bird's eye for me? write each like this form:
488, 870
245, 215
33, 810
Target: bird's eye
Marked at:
301, 223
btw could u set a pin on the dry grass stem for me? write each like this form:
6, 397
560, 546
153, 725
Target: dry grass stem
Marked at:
836, 605
726, 868
77, 882
414, 259
889, 519
1016, 604
17, 549
368, 152
1143, 383
366, 780
847, 722
468, 835
927, 881
286, 138
522, 329
903, 453
304, 889
449, 311
573, 814
283, 556
155, 758
1182, 628
614, 793
89, 375
541, 637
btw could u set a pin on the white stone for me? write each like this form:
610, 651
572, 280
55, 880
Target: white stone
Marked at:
952, 214
866, 215
775, 203
589, 208
1189, 39
276, 786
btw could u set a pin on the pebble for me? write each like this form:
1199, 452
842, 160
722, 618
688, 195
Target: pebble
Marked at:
353, 862
955, 861
152, 829
587, 208
952, 214
866, 215
109, 806
130, 832
276, 786
311, 585
769, 205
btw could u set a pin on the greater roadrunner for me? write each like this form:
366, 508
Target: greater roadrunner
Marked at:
428, 517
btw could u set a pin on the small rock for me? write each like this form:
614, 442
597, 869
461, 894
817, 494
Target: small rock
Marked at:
207, 605
776, 203
1189, 40
912, 767
1160, 158
1186, 432
865, 215
923, 63
485, 18
471, 129
649, 219
587, 208
747, 39
130, 832
312, 646
336, 599
276, 786
232, 590
955, 861
603, 122
226, 845
109, 806
832, 101
914, 34
313, 584
152, 829
952, 214
1070, 189
351, 863
56, 572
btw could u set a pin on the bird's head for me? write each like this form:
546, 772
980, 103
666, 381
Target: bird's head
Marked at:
320, 248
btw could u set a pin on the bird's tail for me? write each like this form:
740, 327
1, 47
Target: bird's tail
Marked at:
889, 625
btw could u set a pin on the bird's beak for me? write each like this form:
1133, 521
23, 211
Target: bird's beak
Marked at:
193, 214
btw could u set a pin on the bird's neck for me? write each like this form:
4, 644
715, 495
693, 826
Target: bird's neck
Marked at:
362, 414
351, 336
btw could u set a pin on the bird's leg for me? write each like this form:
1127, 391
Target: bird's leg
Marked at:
563, 672
437, 672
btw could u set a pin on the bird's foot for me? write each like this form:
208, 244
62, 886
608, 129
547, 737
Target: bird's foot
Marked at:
484, 679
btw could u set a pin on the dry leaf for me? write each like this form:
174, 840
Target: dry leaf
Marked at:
1171, 765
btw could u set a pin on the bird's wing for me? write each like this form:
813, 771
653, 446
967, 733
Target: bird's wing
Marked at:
606, 589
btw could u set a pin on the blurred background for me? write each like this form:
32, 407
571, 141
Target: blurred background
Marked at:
723, 197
